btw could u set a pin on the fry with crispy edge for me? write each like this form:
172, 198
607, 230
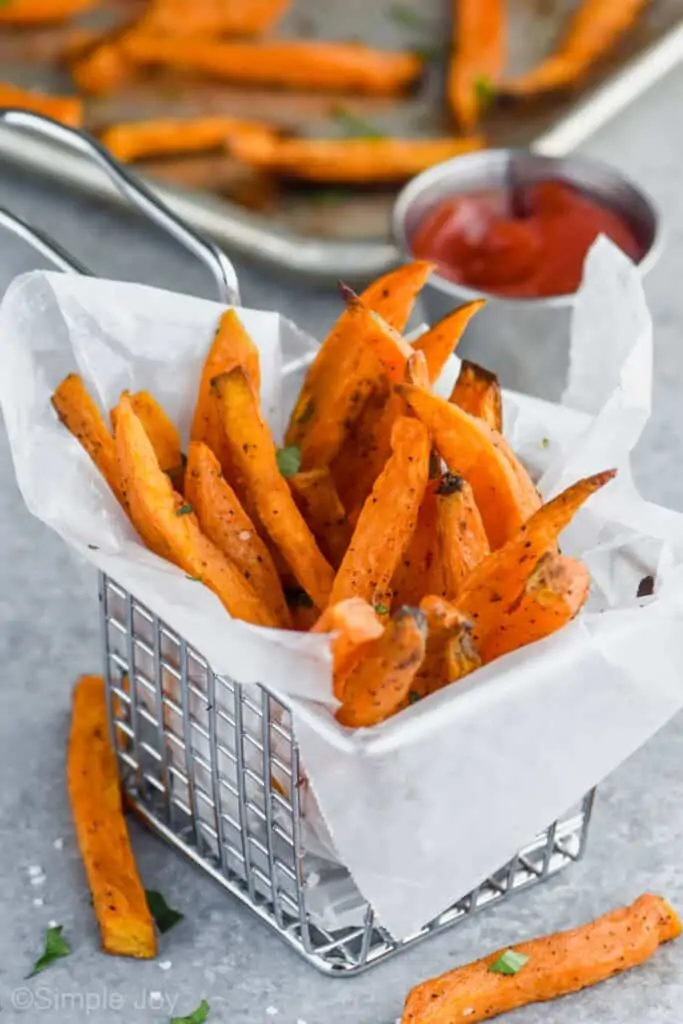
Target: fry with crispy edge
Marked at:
478, 59
137, 140
289, 64
42, 12
461, 541
557, 965
67, 109
347, 161
493, 589
595, 27
503, 491
477, 391
162, 433
392, 296
126, 925
356, 624
79, 414
388, 519
253, 456
441, 341
213, 17
320, 505
379, 683
157, 509
554, 594
224, 521
450, 653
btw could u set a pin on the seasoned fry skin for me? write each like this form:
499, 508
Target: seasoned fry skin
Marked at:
379, 684
126, 925
450, 653
387, 521
461, 541
503, 491
253, 457
225, 522
212, 17
477, 391
441, 341
555, 593
79, 414
42, 12
67, 109
357, 624
419, 569
175, 532
137, 140
162, 433
320, 505
479, 53
231, 346
557, 966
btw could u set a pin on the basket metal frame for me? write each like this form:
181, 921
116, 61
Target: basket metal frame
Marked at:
213, 767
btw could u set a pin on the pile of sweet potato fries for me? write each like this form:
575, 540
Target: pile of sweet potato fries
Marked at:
398, 521
232, 41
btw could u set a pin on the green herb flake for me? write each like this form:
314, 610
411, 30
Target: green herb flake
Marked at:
289, 460
545, 442
485, 91
55, 947
164, 916
197, 1016
354, 127
430, 54
297, 598
327, 197
509, 962
404, 15
381, 609
307, 412
195, 579
184, 510
413, 697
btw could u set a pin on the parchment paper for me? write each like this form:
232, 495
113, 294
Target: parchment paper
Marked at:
422, 808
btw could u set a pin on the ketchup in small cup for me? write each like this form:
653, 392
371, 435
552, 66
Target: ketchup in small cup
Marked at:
523, 241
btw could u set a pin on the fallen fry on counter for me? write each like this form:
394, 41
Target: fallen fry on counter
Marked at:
213, 17
546, 968
126, 925
477, 391
136, 140
67, 109
42, 12
378, 685
347, 161
288, 64
478, 57
594, 28
101, 69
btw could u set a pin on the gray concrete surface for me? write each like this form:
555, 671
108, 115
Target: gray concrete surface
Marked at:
48, 635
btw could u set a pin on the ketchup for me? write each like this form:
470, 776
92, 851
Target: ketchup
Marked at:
526, 242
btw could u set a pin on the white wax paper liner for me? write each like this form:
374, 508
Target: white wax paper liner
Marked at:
422, 808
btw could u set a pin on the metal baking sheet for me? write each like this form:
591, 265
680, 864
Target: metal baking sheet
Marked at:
328, 233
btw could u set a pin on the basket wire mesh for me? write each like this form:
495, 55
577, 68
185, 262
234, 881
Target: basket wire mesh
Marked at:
213, 767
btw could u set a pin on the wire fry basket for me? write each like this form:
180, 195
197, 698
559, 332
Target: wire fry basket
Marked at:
213, 767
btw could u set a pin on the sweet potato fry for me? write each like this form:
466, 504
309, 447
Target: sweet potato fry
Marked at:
557, 965
379, 683
497, 584
67, 109
479, 53
79, 414
594, 28
228, 526
449, 652
461, 655
213, 17
156, 509
162, 433
138, 140
477, 391
318, 501
418, 571
253, 455
42, 12
103, 68
387, 521
289, 64
357, 624
126, 925
442, 339
461, 541
554, 594
348, 161
366, 448
393, 297
504, 494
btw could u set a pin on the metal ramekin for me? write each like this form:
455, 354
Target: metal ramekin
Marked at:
525, 341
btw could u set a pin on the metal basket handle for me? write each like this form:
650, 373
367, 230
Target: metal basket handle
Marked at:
132, 189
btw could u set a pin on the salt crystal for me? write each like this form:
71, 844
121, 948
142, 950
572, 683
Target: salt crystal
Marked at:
38, 901
38, 879
58, 844
165, 965
244, 534
272, 1011
300, 1020
35, 870
468, 1012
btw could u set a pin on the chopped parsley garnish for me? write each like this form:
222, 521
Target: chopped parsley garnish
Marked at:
484, 91
413, 697
545, 442
355, 127
381, 609
328, 197
509, 962
289, 460
404, 15
197, 1016
184, 510
195, 579
164, 916
55, 947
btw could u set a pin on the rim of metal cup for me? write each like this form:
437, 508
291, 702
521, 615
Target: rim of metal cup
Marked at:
460, 167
